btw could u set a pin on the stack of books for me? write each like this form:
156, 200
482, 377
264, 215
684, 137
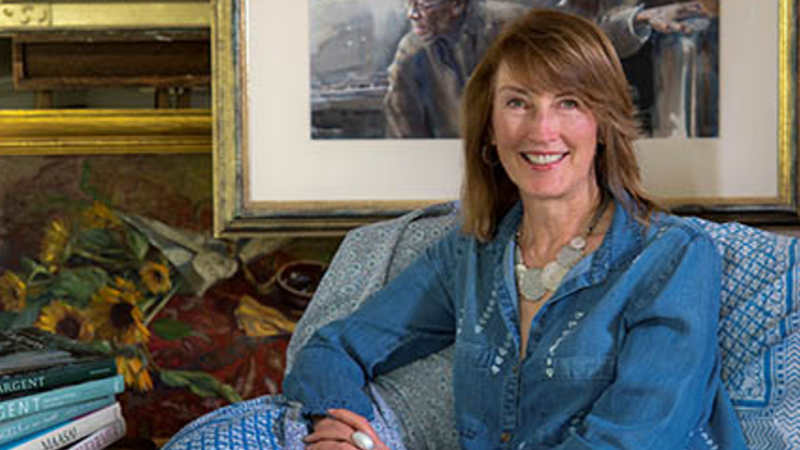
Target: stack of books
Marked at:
56, 393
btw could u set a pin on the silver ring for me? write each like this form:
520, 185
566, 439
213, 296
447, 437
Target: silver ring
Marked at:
362, 440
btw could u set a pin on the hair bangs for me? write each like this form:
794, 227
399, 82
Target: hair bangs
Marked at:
543, 65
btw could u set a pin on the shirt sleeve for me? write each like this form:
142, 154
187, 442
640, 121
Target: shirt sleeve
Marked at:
667, 367
410, 318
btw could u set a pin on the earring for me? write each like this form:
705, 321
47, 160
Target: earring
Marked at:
486, 155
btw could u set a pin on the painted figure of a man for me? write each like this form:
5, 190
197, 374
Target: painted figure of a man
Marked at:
448, 37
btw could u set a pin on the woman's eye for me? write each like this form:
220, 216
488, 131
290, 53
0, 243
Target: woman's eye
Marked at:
569, 103
515, 103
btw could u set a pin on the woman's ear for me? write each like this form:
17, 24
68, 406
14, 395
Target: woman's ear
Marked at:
602, 131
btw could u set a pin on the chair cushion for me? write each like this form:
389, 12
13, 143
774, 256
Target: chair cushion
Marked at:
760, 331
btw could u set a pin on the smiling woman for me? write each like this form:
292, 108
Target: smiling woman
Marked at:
588, 339
602, 333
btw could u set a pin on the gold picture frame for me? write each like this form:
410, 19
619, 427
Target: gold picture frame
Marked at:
95, 132
241, 167
43, 15
92, 131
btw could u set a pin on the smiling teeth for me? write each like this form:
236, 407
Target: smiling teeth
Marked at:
542, 159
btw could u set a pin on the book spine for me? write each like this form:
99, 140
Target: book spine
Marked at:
68, 395
42, 380
68, 432
32, 423
102, 438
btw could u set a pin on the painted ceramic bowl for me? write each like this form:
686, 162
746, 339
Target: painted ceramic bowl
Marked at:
298, 280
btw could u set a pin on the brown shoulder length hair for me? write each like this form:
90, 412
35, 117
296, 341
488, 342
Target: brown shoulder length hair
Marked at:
555, 52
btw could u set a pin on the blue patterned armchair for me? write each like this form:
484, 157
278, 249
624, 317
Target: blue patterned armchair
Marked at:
759, 338
759, 329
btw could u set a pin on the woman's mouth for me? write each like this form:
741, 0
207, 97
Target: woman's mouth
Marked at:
543, 159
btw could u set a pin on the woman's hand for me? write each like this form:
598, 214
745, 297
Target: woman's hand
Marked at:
335, 432
668, 18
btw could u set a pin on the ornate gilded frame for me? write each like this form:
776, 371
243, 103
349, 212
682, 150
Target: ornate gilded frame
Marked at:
72, 132
42, 132
237, 212
30, 15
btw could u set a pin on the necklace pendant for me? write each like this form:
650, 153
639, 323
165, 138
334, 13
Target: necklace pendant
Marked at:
578, 243
530, 285
552, 275
568, 256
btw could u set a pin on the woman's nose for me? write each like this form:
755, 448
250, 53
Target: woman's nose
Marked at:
543, 125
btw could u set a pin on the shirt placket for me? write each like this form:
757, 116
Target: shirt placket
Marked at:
505, 297
505, 293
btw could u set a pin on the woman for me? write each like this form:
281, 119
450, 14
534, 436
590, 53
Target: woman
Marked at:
582, 318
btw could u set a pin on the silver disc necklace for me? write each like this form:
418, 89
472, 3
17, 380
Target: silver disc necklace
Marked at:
533, 283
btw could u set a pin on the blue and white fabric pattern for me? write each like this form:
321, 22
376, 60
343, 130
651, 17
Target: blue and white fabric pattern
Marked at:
267, 423
760, 331
759, 338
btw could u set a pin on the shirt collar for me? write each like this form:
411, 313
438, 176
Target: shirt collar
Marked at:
623, 240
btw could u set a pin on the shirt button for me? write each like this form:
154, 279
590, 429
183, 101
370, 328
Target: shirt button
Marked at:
505, 437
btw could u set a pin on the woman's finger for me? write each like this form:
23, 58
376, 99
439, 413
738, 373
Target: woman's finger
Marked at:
331, 445
330, 429
350, 418
359, 423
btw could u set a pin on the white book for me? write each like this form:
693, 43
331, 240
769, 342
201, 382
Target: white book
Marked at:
101, 438
68, 432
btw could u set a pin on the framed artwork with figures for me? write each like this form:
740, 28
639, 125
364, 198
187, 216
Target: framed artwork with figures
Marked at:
328, 154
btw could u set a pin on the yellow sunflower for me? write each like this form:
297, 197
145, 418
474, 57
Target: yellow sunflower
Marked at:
55, 241
99, 216
13, 292
62, 318
135, 373
116, 314
156, 277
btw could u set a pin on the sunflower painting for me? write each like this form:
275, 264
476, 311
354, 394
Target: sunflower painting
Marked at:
59, 317
12, 292
156, 277
119, 254
115, 308
54, 243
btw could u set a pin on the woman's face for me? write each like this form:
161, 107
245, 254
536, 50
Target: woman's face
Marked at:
546, 141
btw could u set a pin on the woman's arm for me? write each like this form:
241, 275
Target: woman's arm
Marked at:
410, 318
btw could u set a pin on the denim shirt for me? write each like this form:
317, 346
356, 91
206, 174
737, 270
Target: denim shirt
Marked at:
622, 356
